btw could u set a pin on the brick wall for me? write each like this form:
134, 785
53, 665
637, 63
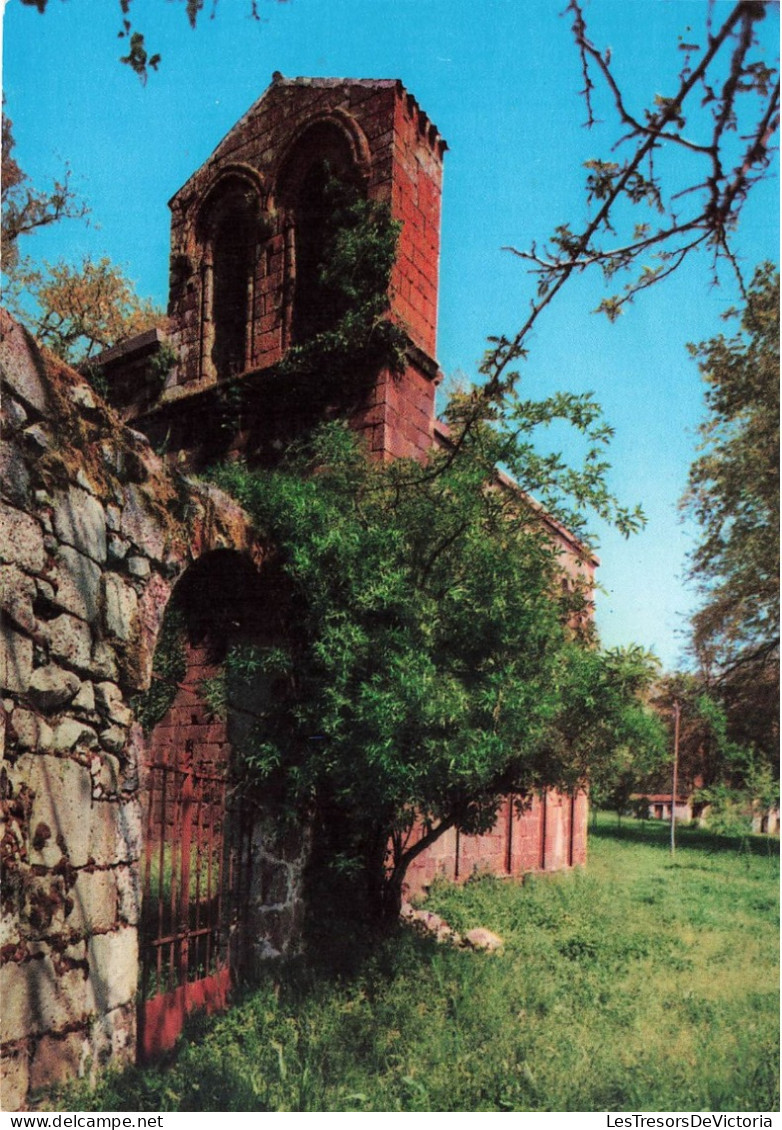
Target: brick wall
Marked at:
267, 887
393, 151
547, 833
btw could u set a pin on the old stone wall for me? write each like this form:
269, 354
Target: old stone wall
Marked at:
94, 534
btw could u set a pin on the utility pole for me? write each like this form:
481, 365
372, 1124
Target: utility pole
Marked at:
676, 716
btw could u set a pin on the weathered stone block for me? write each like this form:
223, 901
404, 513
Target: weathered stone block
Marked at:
37, 438
79, 521
120, 608
14, 1079
44, 906
482, 939
16, 660
113, 967
12, 414
45, 590
62, 801
70, 734
113, 1036
128, 894
10, 926
109, 775
140, 525
84, 398
85, 699
134, 752
115, 832
14, 475
70, 639
94, 896
77, 581
51, 688
113, 738
18, 365
110, 701
17, 593
32, 732
117, 548
104, 661
58, 1059
138, 567
38, 999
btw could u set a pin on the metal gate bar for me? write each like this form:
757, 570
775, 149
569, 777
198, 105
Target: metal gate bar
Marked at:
185, 907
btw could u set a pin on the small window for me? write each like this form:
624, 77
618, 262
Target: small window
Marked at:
311, 314
233, 232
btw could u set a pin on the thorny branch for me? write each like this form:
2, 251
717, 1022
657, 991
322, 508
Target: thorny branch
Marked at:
608, 182
738, 86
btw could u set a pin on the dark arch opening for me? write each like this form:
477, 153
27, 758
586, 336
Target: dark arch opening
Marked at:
220, 597
320, 176
196, 870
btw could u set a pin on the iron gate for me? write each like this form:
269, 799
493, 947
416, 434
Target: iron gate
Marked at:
190, 900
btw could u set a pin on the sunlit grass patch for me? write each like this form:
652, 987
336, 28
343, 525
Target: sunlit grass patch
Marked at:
643, 982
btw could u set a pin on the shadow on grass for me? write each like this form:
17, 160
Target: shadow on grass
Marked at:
657, 833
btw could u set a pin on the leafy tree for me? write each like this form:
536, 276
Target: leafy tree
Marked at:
612, 715
705, 753
432, 660
80, 311
75, 311
731, 776
733, 495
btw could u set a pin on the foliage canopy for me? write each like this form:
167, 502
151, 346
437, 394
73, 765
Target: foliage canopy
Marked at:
82, 310
734, 485
76, 311
433, 660
734, 497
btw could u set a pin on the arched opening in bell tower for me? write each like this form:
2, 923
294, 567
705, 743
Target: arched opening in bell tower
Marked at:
231, 227
319, 174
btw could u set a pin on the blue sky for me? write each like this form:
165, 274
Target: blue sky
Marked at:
501, 79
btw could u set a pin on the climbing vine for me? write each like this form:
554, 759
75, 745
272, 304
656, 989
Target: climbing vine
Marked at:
168, 670
352, 336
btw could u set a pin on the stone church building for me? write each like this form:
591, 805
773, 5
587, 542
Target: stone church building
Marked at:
132, 885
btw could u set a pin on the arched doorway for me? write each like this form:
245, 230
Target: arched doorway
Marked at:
196, 864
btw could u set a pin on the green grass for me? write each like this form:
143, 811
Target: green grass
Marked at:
643, 983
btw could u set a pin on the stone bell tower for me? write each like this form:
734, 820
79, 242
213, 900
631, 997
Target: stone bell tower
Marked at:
242, 232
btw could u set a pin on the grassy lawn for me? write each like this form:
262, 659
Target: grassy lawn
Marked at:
643, 983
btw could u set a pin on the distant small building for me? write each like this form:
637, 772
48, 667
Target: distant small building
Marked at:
658, 806
765, 821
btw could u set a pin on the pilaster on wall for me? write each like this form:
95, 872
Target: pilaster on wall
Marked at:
547, 833
416, 201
